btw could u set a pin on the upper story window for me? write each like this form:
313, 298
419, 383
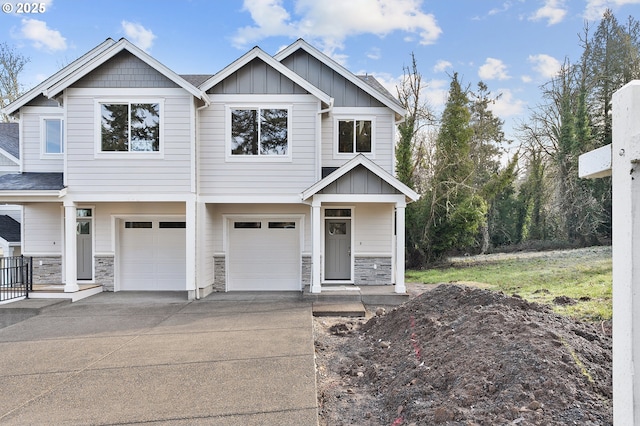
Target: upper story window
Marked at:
130, 127
259, 133
52, 136
355, 136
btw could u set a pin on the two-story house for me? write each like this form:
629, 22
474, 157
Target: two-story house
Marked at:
276, 173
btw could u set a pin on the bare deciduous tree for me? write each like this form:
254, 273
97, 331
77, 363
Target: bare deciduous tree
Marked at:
11, 65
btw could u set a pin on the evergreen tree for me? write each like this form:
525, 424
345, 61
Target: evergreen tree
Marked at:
454, 210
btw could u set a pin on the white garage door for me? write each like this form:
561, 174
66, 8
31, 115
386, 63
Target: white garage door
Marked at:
264, 255
152, 255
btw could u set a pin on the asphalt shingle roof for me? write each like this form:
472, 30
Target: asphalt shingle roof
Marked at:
196, 79
9, 138
31, 182
371, 81
9, 229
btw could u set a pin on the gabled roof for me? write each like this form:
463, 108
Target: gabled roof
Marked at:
9, 229
40, 88
254, 53
10, 139
362, 84
361, 160
92, 60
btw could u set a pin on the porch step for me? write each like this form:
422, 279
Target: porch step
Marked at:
353, 309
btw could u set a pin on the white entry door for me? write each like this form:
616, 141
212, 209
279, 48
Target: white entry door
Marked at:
152, 255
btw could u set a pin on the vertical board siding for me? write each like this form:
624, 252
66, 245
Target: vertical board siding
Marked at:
88, 172
256, 78
344, 92
221, 177
42, 228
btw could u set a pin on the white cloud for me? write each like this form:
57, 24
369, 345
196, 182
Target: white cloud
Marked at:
442, 66
493, 69
507, 105
526, 79
42, 36
374, 53
138, 35
329, 22
595, 8
553, 12
546, 66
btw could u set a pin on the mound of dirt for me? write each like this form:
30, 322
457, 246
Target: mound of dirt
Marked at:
464, 356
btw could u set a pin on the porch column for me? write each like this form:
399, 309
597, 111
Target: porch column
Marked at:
316, 245
400, 210
70, 252
190, 250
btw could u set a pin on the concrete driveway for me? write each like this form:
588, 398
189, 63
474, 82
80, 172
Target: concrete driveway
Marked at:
127, 358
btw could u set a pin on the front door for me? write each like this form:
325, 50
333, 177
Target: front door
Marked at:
84, 249
337, 249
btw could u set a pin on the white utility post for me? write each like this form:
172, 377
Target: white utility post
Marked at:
621, 160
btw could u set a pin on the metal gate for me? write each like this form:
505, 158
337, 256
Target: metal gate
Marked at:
16, 277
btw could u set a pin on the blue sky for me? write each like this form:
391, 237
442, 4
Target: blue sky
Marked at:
511, 45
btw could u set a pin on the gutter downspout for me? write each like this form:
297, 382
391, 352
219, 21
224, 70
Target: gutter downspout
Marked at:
207, 103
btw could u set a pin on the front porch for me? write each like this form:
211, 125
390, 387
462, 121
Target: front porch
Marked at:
56, 291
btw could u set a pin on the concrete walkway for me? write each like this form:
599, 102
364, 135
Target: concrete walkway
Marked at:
127, 358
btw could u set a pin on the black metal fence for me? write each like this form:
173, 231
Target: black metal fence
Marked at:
16, 277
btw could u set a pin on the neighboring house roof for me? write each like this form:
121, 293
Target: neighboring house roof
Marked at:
361, 160
89, 62
254, 53
31, 182
369, 86
9, 229
9, 139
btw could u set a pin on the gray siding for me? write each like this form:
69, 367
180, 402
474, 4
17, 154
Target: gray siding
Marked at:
129, 172
32, 158
258, 78
345, 93
359, 181
221, 177
384, 130
42, 229
124, 70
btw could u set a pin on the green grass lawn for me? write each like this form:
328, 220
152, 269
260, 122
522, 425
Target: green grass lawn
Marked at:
585, 279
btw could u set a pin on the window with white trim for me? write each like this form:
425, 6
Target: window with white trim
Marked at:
130, 126
259, 132
355, 136
52, 136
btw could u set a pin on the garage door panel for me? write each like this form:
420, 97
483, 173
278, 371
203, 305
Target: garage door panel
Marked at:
264, 258
152, 257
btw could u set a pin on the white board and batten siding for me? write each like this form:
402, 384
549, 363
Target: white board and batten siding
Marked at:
167, 171
243, 176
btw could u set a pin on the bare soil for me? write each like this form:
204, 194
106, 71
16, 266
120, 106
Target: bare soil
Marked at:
461, 355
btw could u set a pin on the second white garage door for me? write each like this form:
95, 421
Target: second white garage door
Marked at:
152, 255
264, 255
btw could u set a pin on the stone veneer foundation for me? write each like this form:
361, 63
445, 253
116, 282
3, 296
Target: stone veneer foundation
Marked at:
104, 272
49, 272
373, 270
